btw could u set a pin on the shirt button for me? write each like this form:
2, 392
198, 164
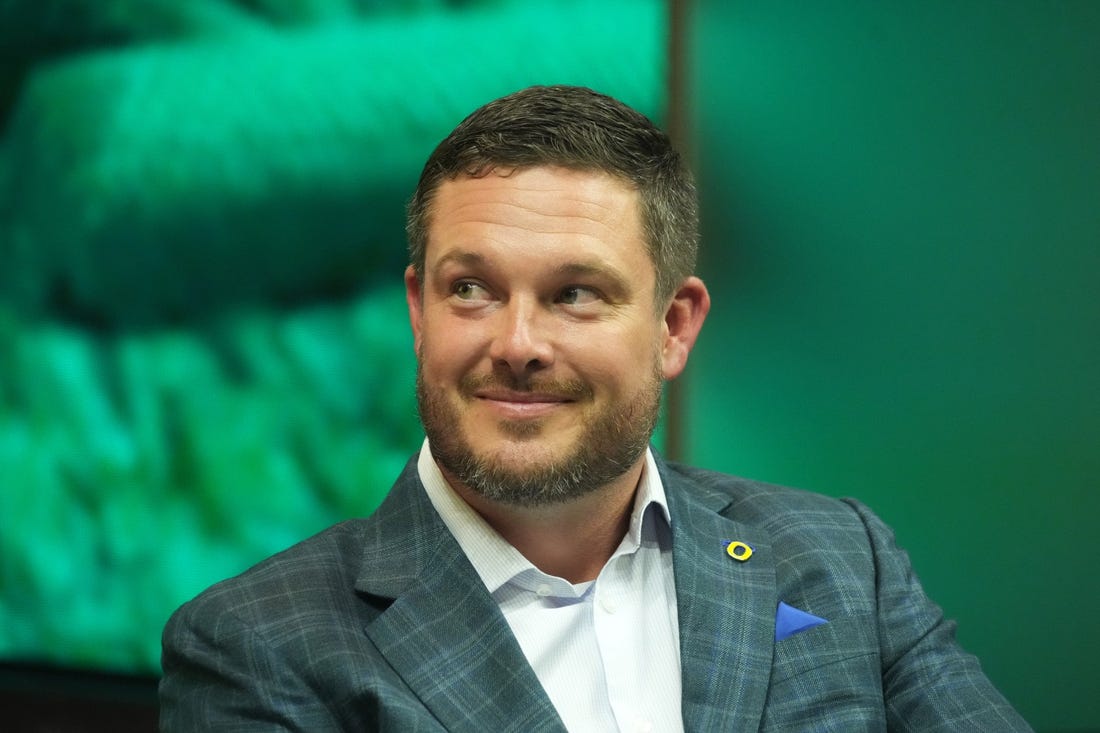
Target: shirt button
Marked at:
643, 726
609, 605
543, 591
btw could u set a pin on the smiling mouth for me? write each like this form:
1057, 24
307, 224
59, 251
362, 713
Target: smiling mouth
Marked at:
522, 405
519, 397
507, 397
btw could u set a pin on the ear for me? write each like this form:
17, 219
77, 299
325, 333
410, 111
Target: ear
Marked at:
414, 297
682, 321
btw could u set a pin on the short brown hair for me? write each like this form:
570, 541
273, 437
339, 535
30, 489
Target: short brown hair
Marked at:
577, 128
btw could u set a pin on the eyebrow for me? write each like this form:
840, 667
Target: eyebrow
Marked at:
462, 258
583, 269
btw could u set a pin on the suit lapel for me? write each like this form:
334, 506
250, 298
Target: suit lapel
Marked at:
446, 638
726, 610
443, 633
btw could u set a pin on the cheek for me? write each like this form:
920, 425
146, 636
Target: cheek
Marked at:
620, 362
448, 347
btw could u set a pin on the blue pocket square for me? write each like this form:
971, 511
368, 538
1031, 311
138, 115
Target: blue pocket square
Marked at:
790, 620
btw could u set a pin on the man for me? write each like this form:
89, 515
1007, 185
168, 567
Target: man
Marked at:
537, 567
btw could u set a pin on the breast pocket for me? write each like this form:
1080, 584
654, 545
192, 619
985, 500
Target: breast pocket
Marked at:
830, 672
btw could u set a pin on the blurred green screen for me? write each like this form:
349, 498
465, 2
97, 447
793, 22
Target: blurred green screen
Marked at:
204, 350
902, 240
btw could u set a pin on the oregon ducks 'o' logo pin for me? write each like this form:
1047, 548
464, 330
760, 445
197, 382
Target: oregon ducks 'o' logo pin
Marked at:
739, 551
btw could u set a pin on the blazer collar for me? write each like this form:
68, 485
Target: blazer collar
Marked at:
442, 632
726, 608
446, 637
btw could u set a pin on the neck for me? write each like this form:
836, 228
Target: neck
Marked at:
572, 540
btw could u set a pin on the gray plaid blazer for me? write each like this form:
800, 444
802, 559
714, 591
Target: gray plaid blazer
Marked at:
383, 624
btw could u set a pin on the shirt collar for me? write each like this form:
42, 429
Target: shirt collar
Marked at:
494, 559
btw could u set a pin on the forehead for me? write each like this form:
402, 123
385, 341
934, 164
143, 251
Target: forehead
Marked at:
573, 205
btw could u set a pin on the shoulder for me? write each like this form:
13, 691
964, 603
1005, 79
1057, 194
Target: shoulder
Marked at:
264, 642
312, 576
773, 507
319, 573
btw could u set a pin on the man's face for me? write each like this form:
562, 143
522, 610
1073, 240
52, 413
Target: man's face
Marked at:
539, 344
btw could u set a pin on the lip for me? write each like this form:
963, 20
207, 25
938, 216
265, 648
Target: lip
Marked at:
522, 404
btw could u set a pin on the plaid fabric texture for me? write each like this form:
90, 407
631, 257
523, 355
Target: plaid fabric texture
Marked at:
382, 624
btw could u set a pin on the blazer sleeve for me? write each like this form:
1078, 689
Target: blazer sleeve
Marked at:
220, 674
929, 682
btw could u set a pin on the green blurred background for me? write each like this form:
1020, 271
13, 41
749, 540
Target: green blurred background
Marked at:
902, 240
203, 347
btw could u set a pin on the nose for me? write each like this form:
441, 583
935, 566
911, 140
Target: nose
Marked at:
522, 340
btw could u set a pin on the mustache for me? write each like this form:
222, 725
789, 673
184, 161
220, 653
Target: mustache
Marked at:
573, 389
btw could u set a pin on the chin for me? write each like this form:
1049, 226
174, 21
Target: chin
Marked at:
522, 451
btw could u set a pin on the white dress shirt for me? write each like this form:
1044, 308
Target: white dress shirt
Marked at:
607, 652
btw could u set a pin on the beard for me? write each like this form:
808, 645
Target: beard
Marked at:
611, 442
